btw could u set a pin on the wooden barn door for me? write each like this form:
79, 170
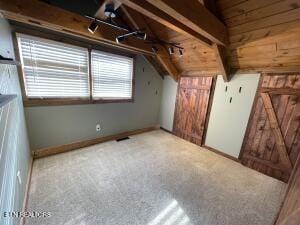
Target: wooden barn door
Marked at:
272, 141
290, 213
191, 108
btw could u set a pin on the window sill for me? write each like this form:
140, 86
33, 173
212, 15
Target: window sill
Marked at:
64, 101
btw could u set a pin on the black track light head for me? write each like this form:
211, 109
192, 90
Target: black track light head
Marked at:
109, 11
120, 39
171, 50
180, 53
141, 35
93, 27
154, 49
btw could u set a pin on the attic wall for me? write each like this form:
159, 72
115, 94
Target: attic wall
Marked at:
263, 33
15, 154
168, 100
228, 120
78, 122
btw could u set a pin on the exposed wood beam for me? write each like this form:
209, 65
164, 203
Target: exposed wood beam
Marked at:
163, 58
50, 17
151, 59
129, 15
195, 16
220, 53
181, 16
149, 10
211, 5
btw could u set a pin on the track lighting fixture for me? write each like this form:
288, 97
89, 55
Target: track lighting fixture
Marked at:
108, 23
141, 35
180, 52
154, 49
120, 39
109, 11
93, 27
137, 34
171, 50
171, 47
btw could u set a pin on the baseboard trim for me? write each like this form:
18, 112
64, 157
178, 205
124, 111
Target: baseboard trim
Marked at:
81, 144
26, 195
170, 132
221, 153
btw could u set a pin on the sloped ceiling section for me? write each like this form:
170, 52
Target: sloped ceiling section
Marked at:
263, 36
197, 59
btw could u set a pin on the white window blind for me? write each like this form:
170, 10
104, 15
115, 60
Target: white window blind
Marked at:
53, 69
111, 76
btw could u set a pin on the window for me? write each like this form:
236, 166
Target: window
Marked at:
56, 73
53, 69
111, 76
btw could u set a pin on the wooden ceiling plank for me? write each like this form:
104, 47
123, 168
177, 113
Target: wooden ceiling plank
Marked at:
181, 16
158, 15
196, 16
163, 58
40, 14
222, 62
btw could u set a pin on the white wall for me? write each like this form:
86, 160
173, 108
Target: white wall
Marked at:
228, 121
167, 107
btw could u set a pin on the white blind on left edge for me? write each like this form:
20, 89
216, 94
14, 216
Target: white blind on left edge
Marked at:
53, 69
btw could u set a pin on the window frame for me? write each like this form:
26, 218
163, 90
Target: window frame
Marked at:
29, 101
103, 99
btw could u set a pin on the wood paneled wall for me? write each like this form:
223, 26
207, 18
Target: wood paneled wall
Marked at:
290, 211
263, 33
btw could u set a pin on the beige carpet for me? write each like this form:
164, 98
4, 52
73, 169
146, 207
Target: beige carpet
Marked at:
151, 179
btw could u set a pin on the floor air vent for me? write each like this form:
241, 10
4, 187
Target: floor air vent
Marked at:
122, 139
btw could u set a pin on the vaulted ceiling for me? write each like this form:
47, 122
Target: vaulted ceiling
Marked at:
255, 35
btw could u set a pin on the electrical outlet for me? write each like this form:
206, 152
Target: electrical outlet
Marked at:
19, 177
98, 127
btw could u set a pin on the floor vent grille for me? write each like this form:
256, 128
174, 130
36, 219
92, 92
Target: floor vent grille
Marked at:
122, 139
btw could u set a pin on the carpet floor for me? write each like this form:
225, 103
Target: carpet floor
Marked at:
153, 178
